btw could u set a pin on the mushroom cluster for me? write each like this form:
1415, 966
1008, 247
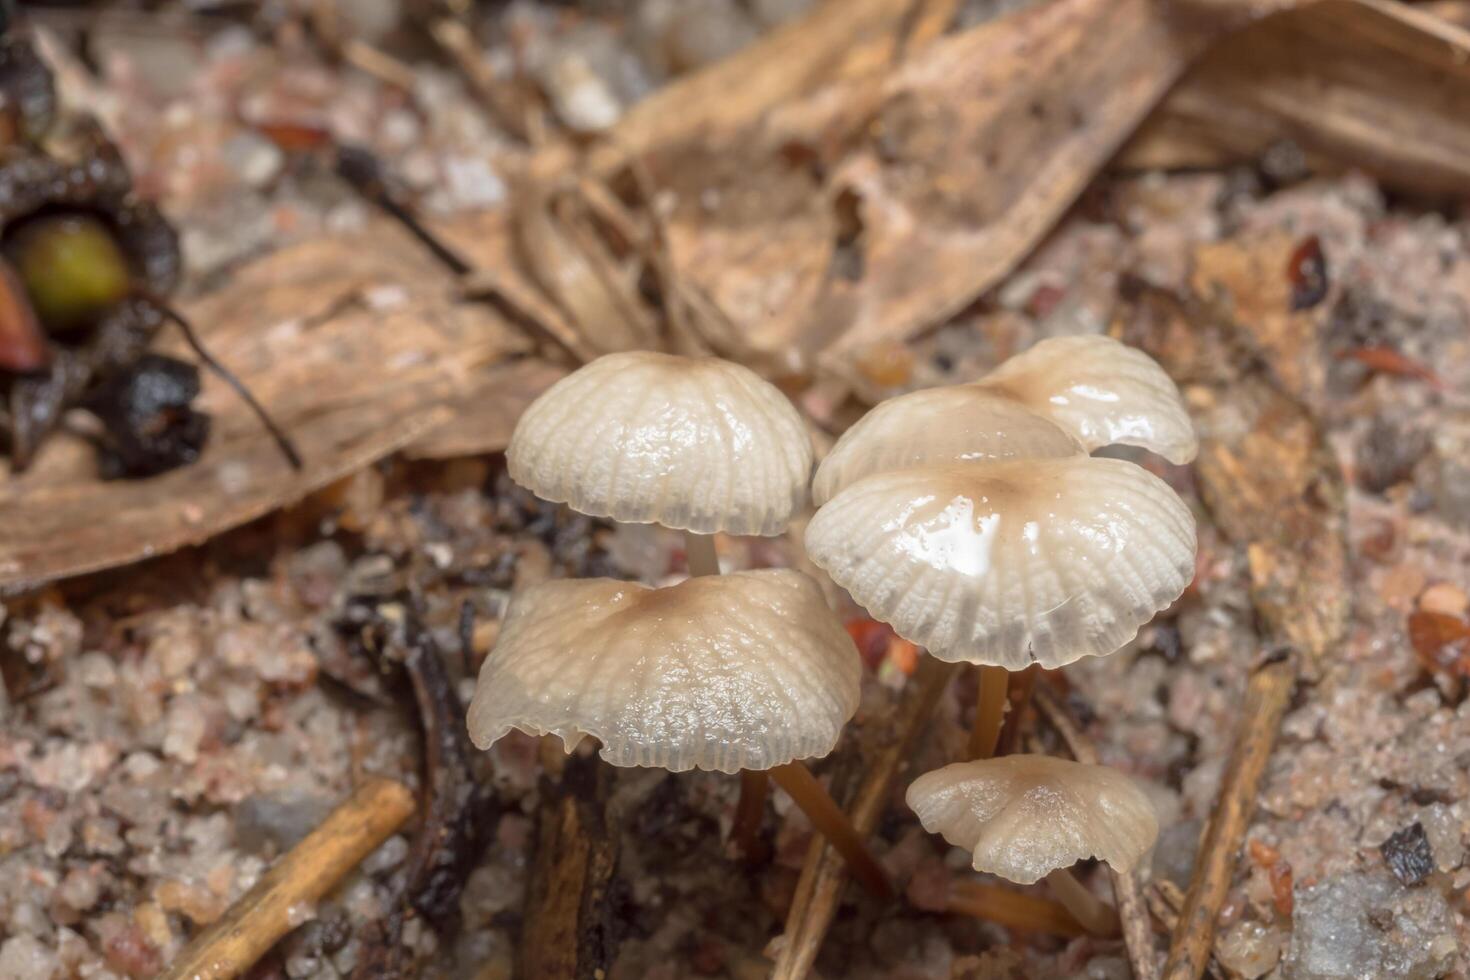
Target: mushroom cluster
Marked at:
743, 673
973, 521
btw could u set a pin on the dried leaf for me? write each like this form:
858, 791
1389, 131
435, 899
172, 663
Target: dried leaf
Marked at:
1366, 84
878, 207
357, 352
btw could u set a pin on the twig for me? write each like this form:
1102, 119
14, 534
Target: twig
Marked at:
379, 64
569, 932
363, 171
1266, 699
283, 441
1165, 899
1138, 933
292, 887
459, 812
451, 34
1010, 908
824, 873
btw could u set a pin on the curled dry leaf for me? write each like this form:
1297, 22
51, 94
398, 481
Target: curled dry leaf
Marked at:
1365, 84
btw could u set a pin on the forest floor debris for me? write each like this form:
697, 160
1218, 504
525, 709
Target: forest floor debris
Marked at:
172, 729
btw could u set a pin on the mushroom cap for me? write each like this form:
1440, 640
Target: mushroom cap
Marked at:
693, 443
1024, 816
1004, 563
959, 423
1101, 391
724, 672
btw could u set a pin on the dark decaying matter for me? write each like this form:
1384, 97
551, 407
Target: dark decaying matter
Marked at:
85, 266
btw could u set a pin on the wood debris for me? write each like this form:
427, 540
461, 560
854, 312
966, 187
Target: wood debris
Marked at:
285, 896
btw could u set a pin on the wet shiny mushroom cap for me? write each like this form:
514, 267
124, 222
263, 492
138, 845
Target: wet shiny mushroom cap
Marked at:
1102, 392
697, 444
1045, 560
1024, 816
724, 672
958, 423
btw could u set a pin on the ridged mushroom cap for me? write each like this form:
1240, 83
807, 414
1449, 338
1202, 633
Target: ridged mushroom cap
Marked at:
1024, 816
959, 423
1102, 392
1045, 560
697, 444
725, 672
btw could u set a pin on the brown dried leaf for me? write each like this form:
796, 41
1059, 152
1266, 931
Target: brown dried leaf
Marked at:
1367, 84
485, 415
1274, 487
356, 351
879, 206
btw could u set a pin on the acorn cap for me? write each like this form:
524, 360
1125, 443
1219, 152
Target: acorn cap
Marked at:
958, 423
1102, 392
725, 672
1045, 560
1024, 816
697, 444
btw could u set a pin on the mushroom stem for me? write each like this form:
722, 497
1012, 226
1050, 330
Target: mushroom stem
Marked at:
699, 552
1020, 700
799, 783
755, 786
1096, 916
990, 711
1012, 909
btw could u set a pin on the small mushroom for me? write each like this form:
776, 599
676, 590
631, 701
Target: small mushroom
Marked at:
1028, 817
693, 443
1044, 560
742, 672
958, 423
1102, 392
1063, 396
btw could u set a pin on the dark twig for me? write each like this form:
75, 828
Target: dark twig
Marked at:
365, 173
283, 441
459, 812
570, 930
1138, 933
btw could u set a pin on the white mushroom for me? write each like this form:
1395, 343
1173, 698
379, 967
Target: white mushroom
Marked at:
1044, 560
959, 423
742, 671
1028, 817
696, 444
1102, 392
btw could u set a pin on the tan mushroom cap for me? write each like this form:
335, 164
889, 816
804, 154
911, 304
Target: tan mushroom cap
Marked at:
697, 444
1004, 563
1102, 392
1024, 816
725, 672
960, 423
